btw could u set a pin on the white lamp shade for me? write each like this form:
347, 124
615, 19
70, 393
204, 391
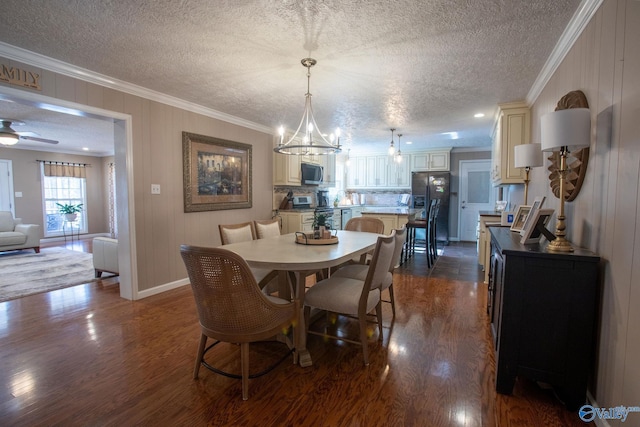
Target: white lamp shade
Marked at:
569, 128
527, 155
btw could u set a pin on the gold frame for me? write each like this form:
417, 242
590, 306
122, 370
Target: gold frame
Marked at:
216, 173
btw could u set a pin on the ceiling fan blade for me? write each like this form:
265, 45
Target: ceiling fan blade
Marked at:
33, 138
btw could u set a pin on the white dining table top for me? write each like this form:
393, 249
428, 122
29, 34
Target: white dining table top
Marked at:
283, 253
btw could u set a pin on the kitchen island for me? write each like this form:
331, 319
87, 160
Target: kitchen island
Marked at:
392, 216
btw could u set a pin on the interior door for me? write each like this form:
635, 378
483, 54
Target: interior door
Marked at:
476, 194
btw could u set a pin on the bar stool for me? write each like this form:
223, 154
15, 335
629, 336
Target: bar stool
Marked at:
410, 244
432, 243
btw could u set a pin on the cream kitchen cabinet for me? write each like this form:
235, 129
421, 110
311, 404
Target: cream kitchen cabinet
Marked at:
513, 127
377, 169
399, 173
390, 221
296, 221
357, 173
431, 161
328, 164
286, 170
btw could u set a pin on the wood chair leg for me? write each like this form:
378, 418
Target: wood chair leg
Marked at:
201, 346
379, 316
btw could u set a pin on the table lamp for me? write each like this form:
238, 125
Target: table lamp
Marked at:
527, 156
564, 131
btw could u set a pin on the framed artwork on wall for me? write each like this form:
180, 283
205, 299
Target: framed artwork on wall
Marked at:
216, 173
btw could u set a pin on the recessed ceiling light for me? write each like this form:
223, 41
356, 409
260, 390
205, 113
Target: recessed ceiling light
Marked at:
85, 148
452, 135
478, 115
409, 142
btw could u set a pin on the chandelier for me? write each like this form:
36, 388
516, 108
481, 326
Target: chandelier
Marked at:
308, 139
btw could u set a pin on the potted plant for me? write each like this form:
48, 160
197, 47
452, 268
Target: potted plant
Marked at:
70, 212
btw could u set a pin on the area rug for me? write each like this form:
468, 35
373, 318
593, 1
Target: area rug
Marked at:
25, 273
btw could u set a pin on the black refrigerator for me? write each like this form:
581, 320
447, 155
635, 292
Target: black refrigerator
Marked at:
433, 185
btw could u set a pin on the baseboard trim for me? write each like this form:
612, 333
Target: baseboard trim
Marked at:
162, 288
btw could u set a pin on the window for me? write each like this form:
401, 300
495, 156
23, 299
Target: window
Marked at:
64, 190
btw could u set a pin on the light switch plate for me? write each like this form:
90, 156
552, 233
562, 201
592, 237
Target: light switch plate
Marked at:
155, 188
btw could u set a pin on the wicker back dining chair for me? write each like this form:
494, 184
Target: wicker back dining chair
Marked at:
231, 308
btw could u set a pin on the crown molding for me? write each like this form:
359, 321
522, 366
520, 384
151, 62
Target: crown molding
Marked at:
576, 26
37, 60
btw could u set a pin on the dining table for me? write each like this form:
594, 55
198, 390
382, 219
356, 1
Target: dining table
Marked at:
283, 254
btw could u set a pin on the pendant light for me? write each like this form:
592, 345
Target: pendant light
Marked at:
398, 157
392, 149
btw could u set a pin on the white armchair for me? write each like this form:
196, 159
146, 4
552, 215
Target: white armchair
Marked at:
105, 256
14, 235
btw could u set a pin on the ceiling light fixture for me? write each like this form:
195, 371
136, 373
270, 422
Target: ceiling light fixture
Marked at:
7, 135
392, 149
305, 143
398, 158
478, 115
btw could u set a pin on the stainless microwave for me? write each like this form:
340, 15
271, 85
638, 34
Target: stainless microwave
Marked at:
311, 174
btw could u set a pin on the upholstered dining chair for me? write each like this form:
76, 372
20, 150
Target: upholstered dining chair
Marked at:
231, 308
359, 271
353, 297
242, 232
365, 224
267, 227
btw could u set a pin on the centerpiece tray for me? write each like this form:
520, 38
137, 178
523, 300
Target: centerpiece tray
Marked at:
307, 239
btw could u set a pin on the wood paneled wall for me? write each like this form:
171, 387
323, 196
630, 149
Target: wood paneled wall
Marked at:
605, 64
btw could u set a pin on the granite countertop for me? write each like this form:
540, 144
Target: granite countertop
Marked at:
390, 210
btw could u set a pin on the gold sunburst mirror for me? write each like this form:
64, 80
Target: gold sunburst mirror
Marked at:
576, 161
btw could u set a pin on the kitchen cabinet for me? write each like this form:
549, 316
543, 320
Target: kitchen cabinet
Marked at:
431, 161
390, 221
376, 175
400, 173
328, 164
484, 240
513, 127
543, 310
286, 170
357, 173
296, 221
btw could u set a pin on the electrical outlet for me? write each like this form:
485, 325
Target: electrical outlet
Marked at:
155, 188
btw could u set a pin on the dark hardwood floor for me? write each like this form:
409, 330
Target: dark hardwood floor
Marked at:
82, 356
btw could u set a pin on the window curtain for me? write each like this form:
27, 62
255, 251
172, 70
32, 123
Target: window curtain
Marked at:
64, 169
113, 220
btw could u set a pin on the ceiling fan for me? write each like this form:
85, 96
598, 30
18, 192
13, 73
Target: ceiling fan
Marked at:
9, 136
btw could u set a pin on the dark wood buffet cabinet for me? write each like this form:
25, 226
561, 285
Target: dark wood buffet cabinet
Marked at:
542, 308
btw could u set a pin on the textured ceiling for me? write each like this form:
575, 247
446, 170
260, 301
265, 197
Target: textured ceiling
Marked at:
424, 67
